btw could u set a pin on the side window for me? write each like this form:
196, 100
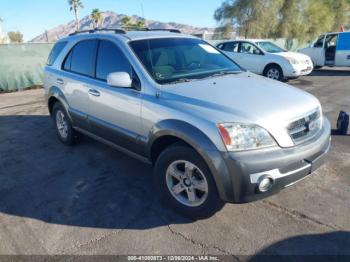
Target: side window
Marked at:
81, 59
319, 42
110, 59
331, 41
55, 52
248, 48
231, 47
68, 61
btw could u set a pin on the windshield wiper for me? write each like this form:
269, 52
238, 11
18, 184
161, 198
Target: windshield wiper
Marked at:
181, 80
222, 73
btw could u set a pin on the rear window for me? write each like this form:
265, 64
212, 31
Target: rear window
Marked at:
55, 52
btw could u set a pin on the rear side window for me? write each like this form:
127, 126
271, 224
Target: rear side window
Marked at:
231, 47
110, 59
55, 52
81, 59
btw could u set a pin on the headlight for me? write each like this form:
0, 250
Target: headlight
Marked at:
292, 61
239, 137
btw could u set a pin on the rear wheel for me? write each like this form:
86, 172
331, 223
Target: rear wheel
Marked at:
274, 72
185, 182
65, 131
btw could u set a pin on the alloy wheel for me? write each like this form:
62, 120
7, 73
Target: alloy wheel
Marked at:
273, 73
62, 125
187, 183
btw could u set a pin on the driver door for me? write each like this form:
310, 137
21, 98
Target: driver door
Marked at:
316, 52
252, 58
114, 113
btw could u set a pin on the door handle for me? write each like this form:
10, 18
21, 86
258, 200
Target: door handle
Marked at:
94, 92
59, 81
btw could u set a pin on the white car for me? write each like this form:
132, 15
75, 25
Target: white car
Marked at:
265, 58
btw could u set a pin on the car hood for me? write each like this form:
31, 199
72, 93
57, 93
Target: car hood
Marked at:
243, 98
298, 56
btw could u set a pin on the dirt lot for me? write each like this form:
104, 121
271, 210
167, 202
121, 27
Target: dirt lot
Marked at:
90, 199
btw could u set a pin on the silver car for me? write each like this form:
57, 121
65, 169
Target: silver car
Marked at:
213, 132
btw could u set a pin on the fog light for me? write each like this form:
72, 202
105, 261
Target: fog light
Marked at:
265, 184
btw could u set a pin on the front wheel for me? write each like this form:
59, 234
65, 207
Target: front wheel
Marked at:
185, 182
274, 72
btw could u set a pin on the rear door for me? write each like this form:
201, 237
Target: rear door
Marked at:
232, 50
342, 57
78, 70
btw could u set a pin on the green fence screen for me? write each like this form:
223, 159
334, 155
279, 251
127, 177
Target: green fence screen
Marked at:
21, 65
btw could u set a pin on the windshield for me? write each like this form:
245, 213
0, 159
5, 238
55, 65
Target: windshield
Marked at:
170, 60
270, 47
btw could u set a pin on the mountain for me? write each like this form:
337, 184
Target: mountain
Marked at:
111, 19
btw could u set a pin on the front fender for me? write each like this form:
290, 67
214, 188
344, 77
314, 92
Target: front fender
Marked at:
203, 145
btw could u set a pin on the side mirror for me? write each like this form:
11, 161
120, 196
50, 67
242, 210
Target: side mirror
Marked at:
119, 79
257, 52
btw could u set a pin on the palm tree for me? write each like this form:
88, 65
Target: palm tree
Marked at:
74, 6
96, 17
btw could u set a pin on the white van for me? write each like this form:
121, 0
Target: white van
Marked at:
331, 49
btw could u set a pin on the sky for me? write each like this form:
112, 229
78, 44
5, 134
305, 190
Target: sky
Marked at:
32, 17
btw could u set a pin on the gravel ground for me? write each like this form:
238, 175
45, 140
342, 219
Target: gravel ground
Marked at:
90, 199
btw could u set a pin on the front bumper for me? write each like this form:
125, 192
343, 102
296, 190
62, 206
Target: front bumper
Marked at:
298, 70
285, 166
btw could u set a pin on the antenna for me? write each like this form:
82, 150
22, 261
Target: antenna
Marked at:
143, 14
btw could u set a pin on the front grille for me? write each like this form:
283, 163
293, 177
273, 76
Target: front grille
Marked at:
305, 127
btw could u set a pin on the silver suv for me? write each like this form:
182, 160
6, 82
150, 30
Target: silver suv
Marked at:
214, 132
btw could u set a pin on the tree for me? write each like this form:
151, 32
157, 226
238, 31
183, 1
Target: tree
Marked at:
129, 23
291, 19
341, 12
75, 5
96, 17
252, 18
15, 37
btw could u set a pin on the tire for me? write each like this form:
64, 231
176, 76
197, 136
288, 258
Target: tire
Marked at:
198, 183
274, 72
64, 129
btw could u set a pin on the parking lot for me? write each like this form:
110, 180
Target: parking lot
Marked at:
91, 199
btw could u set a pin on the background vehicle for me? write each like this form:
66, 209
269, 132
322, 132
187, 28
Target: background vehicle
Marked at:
267, 59
332, 49
213, 132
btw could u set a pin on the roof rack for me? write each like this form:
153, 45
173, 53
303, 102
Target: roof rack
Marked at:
169, 30
91, 31
123, 30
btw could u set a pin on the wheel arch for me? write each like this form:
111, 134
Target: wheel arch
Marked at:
56, 95
272, 64
168, 132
